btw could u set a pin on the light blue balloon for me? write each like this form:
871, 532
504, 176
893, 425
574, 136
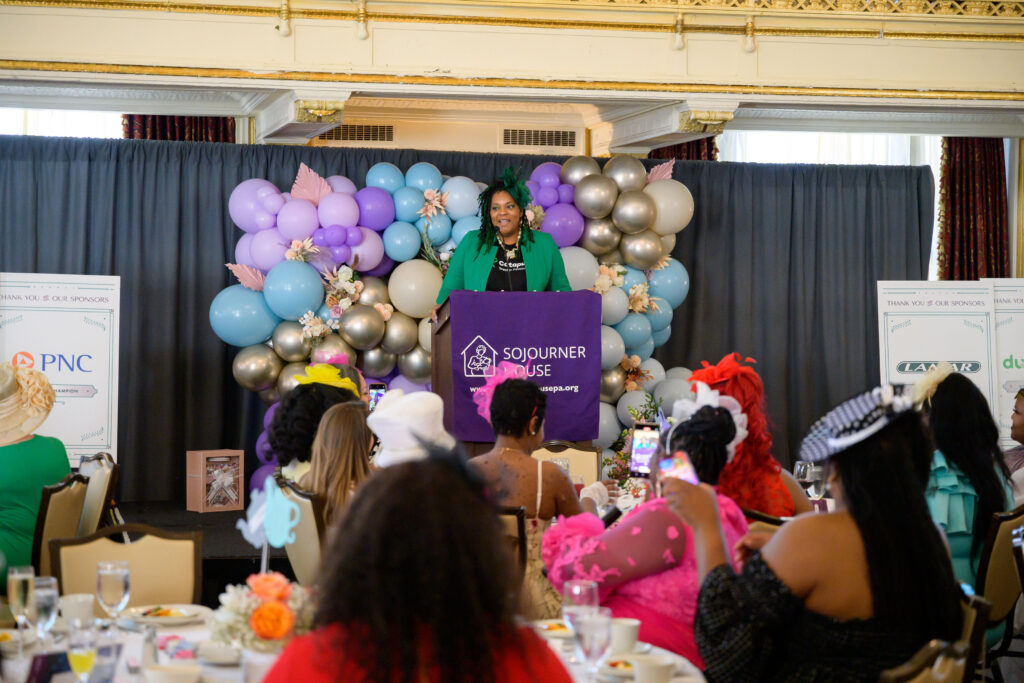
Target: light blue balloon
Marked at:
633, 277
463, 197
671, 283
241, 317
439, 229
661, 336
423, 176
386, 176
644, 350
612, 348
292, 288
402, 241
408, 201
634, 329
463, 226
324, 313
661, 318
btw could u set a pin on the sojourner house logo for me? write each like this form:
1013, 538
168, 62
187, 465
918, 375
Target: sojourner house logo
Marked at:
478, 358
922, 366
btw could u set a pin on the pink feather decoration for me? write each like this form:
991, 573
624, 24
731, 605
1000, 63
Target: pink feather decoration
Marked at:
248, 276
661, 171
498, 374
309, 185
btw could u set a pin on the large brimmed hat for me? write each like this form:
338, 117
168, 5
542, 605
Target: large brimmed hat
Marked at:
854, 421
405, 424
26, 399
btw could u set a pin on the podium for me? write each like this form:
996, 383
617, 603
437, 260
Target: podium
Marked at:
555, 335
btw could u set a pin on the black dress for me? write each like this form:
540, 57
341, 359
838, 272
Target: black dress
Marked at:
508, 274
750, 627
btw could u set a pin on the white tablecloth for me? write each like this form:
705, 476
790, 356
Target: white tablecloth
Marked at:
685, 671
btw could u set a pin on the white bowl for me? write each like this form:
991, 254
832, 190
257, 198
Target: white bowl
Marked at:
172, 673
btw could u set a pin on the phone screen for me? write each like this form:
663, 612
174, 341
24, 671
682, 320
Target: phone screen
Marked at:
645, 445
679, 467
376, 390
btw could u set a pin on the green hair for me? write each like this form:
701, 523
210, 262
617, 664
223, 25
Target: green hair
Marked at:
508, 182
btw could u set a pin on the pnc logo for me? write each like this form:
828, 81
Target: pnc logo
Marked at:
1011, 363
923, 366
23, 359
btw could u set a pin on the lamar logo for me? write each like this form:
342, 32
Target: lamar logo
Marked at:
23, 359
478, 358
923, 366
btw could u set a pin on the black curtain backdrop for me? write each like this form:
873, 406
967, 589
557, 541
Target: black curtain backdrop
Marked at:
782, 259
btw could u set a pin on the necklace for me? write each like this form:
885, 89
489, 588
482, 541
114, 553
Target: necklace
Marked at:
510, 252
514, 450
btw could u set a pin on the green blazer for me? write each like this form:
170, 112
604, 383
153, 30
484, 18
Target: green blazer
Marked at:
469, 269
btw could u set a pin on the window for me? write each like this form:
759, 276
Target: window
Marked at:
60, 123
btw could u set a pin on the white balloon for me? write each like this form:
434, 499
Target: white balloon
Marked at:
630, 399
580, 267
678, 372
669, 391
612, 347
609, 426
424, 334
413, 287
657, 371
674, 205
614, 306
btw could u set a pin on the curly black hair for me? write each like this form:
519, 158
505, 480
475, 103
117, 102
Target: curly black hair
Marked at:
417, 564
704, 438
295, 423
509, 182
514, 404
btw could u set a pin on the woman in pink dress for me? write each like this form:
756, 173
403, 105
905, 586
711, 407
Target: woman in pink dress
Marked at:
645, 565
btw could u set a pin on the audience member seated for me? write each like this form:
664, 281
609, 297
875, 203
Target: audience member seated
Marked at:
753, 479
417, 585
836, 596
645, 565
341, 456
405, 424
1014, 457
515, 409
28, 461
298, 416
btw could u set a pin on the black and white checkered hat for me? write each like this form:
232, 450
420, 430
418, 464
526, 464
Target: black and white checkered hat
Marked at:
853, 421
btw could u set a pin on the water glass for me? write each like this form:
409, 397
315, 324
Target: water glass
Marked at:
20, 587
46, 602
593, 634
112, 587
578, 598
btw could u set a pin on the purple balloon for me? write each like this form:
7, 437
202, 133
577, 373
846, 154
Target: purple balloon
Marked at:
335, 235
340, 183
547, 174
341, 254
268, 248
376, 208
383, 268
546, 196
297, 219
263, 450
268, 416
322, 261
270, 199
368, 255
564, 223
532, 187
406, 385
259, 477
566, 193
287, 196
242, 255
245, 208
355, 237
338, 209
320, 237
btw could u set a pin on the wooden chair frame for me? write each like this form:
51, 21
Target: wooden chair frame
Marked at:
922, 660
144, 529
976, 638
1002, 649
44, 507
108, 497
520, 514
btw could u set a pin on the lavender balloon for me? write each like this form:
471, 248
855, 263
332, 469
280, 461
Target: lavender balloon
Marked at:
268, 416
354, 236
376, 208
338, 209
547, 174
385, 266
368, 255
259, 477
297, 219
335, 235
405, 384
242, 255
533, 187
340, 183
270, 199
263, 450
268, 248
566, 193
320, 237
564, 223
546, 196
245, 208
340, 254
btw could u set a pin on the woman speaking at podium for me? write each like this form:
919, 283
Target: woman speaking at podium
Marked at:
505, 254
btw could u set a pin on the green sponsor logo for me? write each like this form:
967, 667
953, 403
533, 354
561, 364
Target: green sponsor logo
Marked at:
921, 366
1012, 362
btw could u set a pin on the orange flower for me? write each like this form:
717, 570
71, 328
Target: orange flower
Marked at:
272, 620
272, 586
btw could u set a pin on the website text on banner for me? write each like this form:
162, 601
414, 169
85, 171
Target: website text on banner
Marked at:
556, 335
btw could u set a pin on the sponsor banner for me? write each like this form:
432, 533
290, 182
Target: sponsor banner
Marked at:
1009, 305
556, 335
66, 326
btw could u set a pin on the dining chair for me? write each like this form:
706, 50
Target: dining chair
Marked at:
999, 583
577, 461
936, 662
975, 612
102, 473
60, 511
513, 522
165, 566
304, 552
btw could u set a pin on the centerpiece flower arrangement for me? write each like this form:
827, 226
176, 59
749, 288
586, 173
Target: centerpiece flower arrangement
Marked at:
263, 615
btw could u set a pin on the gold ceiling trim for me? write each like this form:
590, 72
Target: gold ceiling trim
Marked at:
533, 83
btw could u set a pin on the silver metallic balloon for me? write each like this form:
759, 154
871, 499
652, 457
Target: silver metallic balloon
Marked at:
627, 172
400, 333
634, 212
330, 348
576, 169
286, 380
361, 326
668, 243
595, 196
256, 367
288, 342
613, 384
641, 250
375, 291
376, 362
415, 365
270, 396
599, 236
614, 256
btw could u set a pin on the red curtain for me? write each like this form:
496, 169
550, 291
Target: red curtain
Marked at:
973, 238
181, 128
704, 149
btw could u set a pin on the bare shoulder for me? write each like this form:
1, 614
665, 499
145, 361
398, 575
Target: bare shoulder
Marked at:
805, 547
552, 473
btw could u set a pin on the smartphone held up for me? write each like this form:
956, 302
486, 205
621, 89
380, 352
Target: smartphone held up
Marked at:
376, 390
644, 446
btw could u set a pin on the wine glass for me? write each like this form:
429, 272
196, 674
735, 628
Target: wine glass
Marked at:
816, 479
82, 653
47, 602
593, 635
20, 586
112, 586
579, 597
802, 473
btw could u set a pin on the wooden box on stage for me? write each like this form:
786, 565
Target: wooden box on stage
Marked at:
214, 480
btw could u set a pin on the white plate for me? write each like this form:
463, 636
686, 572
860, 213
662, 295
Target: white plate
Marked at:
553, 628
683, 666
216, 654
192, 614
11, 646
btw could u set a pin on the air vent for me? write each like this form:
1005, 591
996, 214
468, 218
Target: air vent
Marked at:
360, 132
519, 137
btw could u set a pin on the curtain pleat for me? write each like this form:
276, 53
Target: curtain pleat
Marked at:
705, 149
180, 128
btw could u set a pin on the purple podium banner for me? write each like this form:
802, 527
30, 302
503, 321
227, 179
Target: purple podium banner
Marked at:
555, 335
